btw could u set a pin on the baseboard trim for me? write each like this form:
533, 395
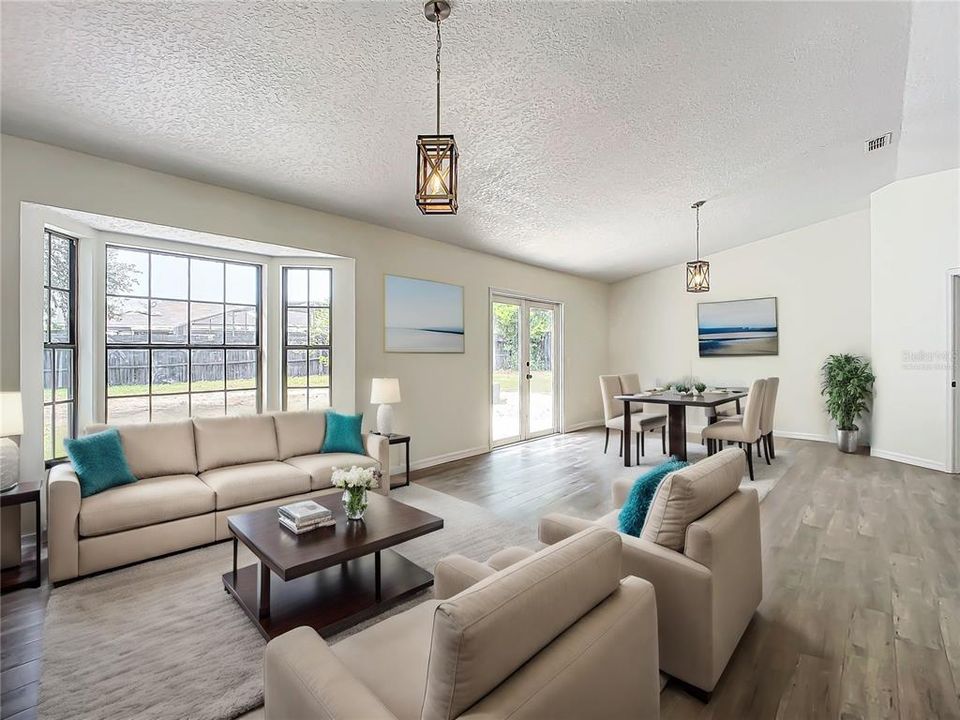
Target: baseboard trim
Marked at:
423, 463
908, 459
583, 425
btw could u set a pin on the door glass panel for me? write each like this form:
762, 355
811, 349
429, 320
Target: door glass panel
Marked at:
541, 369
506, 371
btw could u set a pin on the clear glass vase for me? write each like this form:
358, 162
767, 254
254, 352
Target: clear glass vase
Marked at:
354, 502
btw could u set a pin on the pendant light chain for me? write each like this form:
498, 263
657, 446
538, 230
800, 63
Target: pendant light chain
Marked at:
698, 232
439, 45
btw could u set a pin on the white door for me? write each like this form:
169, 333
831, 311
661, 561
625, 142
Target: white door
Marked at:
525, 382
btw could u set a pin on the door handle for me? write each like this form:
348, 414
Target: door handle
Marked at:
529, 377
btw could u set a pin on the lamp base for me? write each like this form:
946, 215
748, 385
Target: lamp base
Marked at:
9, 465
384, 419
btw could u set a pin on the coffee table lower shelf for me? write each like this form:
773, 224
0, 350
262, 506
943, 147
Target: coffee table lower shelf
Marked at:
330, 600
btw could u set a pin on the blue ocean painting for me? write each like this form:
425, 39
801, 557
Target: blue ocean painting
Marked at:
422, 316
738, 327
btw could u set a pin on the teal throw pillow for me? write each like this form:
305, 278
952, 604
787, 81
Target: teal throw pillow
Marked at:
343, 434
634, 510
99, 462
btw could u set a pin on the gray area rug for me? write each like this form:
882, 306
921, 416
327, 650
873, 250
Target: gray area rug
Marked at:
163, 640
766, 476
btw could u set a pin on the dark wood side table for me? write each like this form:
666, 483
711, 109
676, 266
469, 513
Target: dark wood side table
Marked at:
398, 439
20, 577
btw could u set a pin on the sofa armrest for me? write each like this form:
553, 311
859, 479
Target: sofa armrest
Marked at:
302, 678
556, 527
63, 523
685, 609
621, 490
455, 573
727, 540
378, 447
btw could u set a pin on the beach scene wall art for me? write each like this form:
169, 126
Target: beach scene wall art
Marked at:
422, 316
738, 327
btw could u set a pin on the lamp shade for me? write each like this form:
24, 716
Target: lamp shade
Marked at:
385, 391
11, 414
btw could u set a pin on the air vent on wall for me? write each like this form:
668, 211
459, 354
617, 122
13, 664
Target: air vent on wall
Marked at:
878, 143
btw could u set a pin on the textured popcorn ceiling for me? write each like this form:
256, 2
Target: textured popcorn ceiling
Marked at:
586, 128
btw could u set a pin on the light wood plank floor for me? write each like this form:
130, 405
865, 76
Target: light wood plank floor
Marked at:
861, 609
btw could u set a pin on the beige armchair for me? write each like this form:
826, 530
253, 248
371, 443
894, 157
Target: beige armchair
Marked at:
743, 430
554, 635
700, 547
641, 422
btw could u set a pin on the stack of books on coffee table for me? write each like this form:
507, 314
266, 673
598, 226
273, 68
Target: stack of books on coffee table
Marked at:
303, 516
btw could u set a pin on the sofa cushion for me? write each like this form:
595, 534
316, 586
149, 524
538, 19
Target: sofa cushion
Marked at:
299, 433
392, 657
224, 441
99, 462
343, 433
686, 495
634, 510
157, 448
254, 482
320, 466
483, 634
147, 502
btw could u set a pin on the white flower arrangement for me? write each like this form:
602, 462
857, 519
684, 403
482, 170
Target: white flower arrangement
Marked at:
356, 477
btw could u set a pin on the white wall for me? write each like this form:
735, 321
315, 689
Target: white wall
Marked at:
915, 239
820, 275
445, 397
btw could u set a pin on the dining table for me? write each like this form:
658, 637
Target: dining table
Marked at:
677, 405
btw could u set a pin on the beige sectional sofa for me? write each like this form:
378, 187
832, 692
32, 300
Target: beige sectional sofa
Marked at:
555, 635
193, 474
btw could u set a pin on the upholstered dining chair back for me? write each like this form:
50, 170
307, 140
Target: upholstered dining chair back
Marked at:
769, 405
751, 417
609, 388
630, 383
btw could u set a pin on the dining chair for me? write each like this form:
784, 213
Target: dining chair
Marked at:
766, 416
744, 431
766, 419
649, 412
610, 387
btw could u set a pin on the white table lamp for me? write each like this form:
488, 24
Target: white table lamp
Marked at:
11, 424
384, 392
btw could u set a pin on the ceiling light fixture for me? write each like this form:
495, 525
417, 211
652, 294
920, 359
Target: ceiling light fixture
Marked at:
698, 271
437, 154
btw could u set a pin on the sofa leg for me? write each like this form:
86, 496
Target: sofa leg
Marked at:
606, 441
749, 451
692, 690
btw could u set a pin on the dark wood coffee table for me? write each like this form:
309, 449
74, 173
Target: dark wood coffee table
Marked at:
330, 578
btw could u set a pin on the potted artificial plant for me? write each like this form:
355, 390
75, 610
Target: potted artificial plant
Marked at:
848, 388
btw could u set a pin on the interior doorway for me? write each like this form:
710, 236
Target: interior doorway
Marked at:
525, 368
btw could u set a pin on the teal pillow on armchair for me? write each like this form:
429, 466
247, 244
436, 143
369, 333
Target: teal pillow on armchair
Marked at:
634, 510
343, 434
99, 462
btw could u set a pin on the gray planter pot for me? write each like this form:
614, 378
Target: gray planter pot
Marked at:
847, 440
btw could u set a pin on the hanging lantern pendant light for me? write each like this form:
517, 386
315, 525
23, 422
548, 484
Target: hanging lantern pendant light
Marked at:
698, 271
437, 155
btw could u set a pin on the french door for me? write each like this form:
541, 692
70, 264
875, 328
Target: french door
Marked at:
525, 382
